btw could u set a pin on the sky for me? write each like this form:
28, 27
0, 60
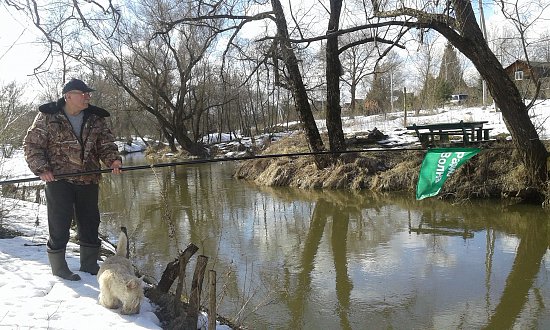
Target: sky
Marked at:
33, 298
20, 54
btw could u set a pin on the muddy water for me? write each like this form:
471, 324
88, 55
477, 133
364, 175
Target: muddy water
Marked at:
290, 259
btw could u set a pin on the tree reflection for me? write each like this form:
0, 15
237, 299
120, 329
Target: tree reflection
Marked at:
529, 255
340, 223
323, 211
307, 263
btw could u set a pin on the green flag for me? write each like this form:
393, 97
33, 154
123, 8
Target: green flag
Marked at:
437, 166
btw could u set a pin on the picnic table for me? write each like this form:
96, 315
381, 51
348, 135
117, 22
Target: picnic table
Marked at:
440, 133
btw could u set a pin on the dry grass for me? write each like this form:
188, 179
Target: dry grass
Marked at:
493, 173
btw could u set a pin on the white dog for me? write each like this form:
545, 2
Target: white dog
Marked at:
118, 284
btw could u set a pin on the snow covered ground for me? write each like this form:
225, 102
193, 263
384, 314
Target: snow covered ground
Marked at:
33, 298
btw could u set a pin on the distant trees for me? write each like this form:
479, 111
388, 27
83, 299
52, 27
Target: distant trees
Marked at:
384, 91
449, 79
541, 49
188, 66
378, 96
425, 62
439, 84
15, 117
357, 66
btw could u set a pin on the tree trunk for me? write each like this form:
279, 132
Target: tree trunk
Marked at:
169, 138
516, 118
296, 84
194, 148
505, 93
333, 72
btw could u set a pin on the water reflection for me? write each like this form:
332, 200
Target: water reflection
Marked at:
289, 259
323, 212
530, 252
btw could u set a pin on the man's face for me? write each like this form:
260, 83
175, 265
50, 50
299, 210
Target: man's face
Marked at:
77, 99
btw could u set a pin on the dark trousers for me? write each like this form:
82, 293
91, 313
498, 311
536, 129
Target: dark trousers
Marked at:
65, 200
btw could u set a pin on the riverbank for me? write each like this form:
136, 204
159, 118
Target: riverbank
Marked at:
494, 173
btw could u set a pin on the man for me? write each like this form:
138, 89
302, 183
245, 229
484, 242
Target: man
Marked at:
71, 136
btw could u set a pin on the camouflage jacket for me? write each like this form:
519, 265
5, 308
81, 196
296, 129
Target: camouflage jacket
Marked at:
52, 145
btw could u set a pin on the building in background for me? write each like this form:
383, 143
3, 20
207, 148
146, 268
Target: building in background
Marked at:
527, 74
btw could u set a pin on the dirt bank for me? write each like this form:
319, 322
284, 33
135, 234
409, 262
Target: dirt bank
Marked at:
493, 173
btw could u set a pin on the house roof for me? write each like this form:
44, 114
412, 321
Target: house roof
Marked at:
541, 68
532, 63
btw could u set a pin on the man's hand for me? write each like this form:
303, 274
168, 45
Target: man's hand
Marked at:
47, 176
115, 166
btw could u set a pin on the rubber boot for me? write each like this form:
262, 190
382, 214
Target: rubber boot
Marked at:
59, 265
88, 259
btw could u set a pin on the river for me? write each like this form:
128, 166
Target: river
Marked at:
294, 259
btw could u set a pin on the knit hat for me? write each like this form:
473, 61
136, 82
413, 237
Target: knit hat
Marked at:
75, 84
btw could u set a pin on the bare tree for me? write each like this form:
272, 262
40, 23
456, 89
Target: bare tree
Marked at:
334, 67
505, 43
542, 47
425, 63
356, 66
15, 117
285, 49
333, 72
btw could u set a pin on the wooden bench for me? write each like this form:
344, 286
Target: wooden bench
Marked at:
443, 137
486, 133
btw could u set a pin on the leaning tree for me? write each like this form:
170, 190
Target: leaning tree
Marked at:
456, 21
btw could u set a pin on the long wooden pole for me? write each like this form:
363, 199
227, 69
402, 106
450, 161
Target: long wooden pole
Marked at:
199, 161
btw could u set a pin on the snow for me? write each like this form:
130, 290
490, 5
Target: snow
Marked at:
135, 145
33, 298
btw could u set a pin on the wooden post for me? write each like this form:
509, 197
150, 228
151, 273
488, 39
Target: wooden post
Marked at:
405, 106
212, 300
194, 298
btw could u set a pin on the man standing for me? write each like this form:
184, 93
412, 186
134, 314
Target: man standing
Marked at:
70, 136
